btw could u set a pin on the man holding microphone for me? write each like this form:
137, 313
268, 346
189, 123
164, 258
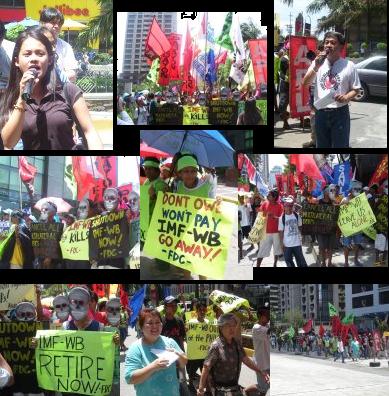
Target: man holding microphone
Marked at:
337, 82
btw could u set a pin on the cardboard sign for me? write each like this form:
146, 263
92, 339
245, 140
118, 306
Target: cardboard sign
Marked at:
319, 219
45, 239
228, 302
355, 216
258, 231
74, 241
262, 106
15, 340
370, 232
192, 233
109, 236
195, 115
168, 114
381, 213
199, 337
223, 112
75, 361
144, 211
12, 294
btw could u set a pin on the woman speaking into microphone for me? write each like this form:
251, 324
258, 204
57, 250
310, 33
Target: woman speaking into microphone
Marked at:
35, 107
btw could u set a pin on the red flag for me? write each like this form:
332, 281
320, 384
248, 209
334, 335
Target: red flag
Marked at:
298, 66
86, 175
221, 59
156, 42
381, 172
279, 183
188, 83
344, 332
258, 51
170, 61
321, 330
123, 296
107, 176
26, 171
308, 326
99, 289
336, 325
306, 164
377, 340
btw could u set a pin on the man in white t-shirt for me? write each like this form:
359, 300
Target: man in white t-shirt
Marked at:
289, 225
337, 82
53, 20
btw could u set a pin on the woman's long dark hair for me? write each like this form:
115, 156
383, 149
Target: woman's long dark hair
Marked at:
252, 115
11, 93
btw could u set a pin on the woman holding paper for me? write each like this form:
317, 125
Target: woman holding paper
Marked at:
149, 360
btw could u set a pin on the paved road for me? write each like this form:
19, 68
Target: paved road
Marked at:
301, 376
368, 127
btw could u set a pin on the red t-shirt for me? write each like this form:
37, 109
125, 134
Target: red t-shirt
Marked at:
275, 209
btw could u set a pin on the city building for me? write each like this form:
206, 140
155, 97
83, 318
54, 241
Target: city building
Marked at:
367, 301
276, 170
135, 67
261, 162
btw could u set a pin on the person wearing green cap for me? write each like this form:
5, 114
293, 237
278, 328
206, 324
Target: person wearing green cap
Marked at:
190, 184
152, 171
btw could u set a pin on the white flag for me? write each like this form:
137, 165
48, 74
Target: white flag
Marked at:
236, 38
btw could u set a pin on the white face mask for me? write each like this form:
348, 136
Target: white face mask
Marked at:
61, 307
332, 195
111, 200
47, 212
25, 312
79, 304
83, 210
355, 192
113, 311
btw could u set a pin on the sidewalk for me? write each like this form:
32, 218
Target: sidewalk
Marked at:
361, 362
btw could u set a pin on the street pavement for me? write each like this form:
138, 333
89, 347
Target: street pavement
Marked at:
247, 376
311, 255
149, 269
299, 375
368, 127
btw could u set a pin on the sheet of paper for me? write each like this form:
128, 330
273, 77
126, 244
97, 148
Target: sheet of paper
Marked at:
164, 354
326, 100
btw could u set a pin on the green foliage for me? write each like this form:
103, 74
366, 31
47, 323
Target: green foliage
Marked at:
13, 33
382, 47
354, 55
364, 45
102, 58
349, 48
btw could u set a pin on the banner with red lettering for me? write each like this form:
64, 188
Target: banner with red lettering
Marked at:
170, 61
298, 66
381, 173
258, 51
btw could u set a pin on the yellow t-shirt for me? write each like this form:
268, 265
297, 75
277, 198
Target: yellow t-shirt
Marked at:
17, 256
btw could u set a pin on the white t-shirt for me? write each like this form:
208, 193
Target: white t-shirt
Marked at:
261, 343
6, 51
342, 77
66, 60
245, 210
291, 232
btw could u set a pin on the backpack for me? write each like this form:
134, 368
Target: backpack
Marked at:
283, 218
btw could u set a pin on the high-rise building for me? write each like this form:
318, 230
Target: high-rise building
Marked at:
276, 170
135, 67
261, 162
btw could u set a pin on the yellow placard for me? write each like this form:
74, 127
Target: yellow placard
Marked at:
74, 241
12, 294
192, 233
228, 302
144, 211
195, 115
199, 338
258, 231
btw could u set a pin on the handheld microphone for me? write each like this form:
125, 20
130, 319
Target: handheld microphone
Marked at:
323, 57
26, 94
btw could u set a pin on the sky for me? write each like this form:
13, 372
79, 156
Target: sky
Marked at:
215, 19
298, 6
277, 159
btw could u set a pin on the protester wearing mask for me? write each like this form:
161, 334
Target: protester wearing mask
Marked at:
61, 308
327, 242
18, 253
352, 242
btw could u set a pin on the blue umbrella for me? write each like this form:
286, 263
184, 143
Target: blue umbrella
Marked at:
210, 147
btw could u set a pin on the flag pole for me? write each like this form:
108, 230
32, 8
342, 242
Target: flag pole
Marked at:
206, 44
20, 191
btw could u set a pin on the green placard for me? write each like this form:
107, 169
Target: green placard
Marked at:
144, 211
262, 106
199, 338
228, 302
192, 233
195, 115
74, 241
355, 216
75, 361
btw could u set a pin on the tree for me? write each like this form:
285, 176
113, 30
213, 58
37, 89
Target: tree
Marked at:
99, 28
250, 31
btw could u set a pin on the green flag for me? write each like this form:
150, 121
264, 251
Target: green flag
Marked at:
348, 319
69, 177
4, 243
224, 38
332, 310
153, 72
291, 332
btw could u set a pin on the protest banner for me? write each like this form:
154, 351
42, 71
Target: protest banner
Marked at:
381, 213
342, 177
4, 243
45, 239
223, 112
262, 106
199, 338
74, 242
355, 216
370, 232
75, 361
258, 230
319, 218
168, 114
228, 302
298, 66
12, 294
144, 211
109, 236
15, 340
195, 115
192, 233
106, 166
258, 51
